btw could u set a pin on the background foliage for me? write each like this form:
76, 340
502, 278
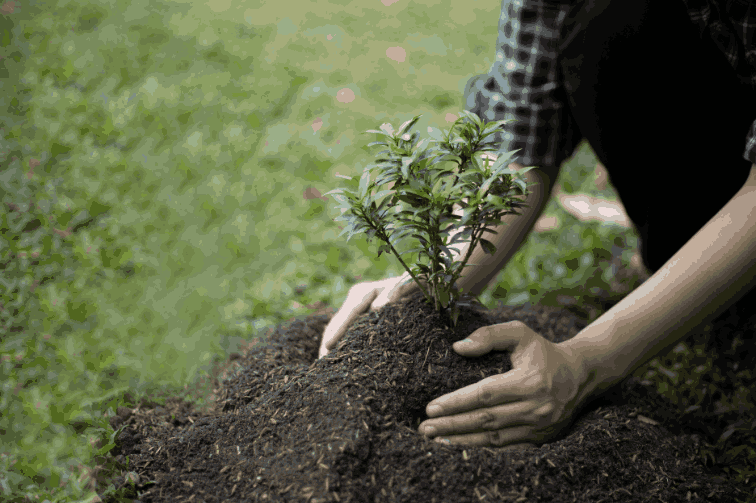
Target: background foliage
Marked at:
162, 165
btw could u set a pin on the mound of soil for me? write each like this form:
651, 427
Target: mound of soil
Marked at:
289, 427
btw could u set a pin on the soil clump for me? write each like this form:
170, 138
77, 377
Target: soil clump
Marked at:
289, 427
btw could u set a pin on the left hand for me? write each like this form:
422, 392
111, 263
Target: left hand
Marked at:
532, 403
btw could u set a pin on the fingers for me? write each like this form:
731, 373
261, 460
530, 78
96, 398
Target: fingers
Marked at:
361, 298
507, 422
489, 392
500, 337
510, 439
358, 301
497, 426
539, 393
505, 388
393, 290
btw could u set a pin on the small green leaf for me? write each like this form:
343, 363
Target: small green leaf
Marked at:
488, 247
455, 315
496, 125
424, 269
384, 248
364, 182
421, 239
383, 143
436, 134
443, 298
384, 133
413, 250
408, 125
388, 128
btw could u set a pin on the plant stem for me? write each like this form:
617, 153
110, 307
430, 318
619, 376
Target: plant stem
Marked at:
384, 237
465, 159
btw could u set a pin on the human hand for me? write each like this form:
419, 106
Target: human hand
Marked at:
363, 297
532, 403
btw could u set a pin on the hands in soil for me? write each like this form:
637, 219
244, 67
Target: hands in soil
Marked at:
364, 297
533, 403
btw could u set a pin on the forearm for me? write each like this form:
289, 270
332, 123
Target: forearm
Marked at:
510, 235
711, 272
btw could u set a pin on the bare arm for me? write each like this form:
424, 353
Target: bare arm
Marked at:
709, 274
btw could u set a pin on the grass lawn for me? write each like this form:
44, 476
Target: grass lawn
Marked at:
162, 163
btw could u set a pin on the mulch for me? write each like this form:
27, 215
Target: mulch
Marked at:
286, 426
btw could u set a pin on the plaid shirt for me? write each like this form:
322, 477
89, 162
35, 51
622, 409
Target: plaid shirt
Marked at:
522, 82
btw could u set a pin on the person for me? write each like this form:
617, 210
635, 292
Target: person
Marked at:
665, 94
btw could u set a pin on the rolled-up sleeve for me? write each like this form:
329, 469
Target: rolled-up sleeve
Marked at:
524, 85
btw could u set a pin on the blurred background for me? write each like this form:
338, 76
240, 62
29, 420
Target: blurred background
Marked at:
162, 170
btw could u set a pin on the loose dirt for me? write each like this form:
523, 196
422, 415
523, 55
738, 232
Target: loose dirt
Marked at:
289, 427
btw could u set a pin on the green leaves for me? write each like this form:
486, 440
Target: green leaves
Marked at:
424, 195
408, 125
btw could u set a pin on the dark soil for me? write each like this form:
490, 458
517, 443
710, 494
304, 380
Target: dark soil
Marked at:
287, 427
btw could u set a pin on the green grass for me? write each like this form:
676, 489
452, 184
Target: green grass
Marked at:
160, 151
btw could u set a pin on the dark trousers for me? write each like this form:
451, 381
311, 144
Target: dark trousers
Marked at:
664, 112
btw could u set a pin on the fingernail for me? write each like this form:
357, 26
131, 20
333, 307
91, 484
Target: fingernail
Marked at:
429, 431
442, 440
434, 410
464, 341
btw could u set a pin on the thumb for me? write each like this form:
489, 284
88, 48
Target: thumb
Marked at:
394, 289
493, 337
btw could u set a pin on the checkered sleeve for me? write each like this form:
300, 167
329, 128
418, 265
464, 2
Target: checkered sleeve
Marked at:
732, 27
524, 85
750, 150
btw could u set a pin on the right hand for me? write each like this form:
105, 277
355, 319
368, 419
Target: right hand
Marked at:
364, 297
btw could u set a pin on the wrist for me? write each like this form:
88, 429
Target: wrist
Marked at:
593, 350
592, 381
